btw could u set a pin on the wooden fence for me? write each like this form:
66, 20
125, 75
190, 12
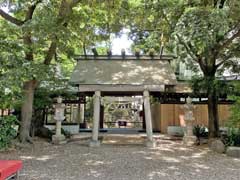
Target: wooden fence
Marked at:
165, 115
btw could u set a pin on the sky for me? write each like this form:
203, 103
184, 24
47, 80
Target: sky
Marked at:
122, 42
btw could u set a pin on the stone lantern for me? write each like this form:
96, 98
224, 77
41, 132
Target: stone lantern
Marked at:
189, 139
59, 138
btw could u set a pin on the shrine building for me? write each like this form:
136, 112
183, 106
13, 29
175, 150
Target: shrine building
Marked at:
119, 79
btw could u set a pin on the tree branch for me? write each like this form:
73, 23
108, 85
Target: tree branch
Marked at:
228, 56
27, 39
31, 10
202, 66
75, 2
65, 10
190, 52
188, 49
51, 51
230, 36
16, 21
10, 18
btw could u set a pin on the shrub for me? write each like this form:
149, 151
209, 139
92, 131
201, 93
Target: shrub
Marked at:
234, 120
7, 131
232, 138
66, 133
200, 131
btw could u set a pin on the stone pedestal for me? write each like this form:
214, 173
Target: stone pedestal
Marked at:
59, 139
58, 128
150, 144
93, 143
233, 151
189, 140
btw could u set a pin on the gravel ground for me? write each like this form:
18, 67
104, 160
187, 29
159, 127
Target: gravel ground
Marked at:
76, 161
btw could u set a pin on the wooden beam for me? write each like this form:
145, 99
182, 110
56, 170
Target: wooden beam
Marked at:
121, 88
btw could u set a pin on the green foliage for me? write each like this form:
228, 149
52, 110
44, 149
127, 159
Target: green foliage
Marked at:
120, 113
44, 95
42, 98
207, 84
200, 131
67, 134
89, 108
148, 24
193, 30
10, 67
76, 27
234, 120
202, 27
7, 132
205, 35
232, 138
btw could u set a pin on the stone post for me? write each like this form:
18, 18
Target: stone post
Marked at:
82, 113
59, 138
189, 139
58, 128
96, 117
79, 113
148, 118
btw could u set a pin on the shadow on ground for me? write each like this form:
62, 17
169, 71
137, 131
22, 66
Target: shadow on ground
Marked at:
112, 161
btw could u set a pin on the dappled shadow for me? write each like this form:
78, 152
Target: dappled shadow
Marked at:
39, 158
133, 72
177, 158
169, 160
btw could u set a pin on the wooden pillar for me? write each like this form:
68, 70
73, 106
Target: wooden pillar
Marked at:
143, 118
101, 116
84, 119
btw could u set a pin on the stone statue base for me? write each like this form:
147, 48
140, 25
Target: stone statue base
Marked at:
150, 144
93, 143
189, 140
60, 139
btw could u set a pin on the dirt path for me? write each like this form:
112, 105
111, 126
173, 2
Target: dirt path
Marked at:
76, 161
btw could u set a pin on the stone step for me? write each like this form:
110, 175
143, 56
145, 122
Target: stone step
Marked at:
123, 139
233, 151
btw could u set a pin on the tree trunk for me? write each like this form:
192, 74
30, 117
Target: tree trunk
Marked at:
213, 123
27, 110
37, 121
